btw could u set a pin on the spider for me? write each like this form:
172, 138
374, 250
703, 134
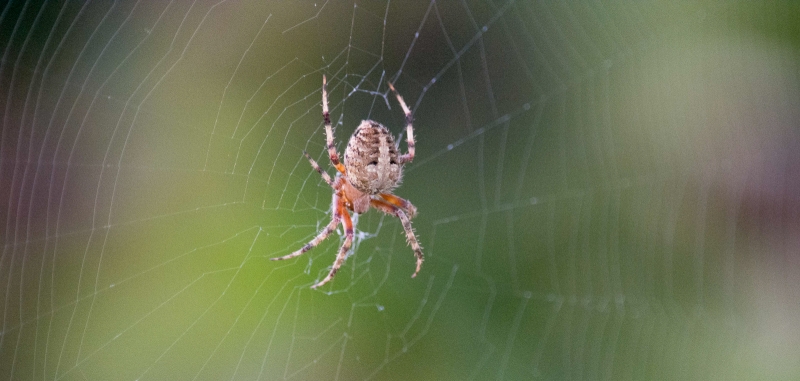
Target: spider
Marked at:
372, 169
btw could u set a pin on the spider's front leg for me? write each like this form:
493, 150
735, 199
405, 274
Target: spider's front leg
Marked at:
401, 203
322, 235
401, 215
348, 241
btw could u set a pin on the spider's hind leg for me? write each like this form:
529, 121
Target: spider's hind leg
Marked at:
325, 175
326, 116
405, 158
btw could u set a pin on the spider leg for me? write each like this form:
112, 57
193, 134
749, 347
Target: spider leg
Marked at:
401, 203
319, 170
409, 128
326, 116
412, 239
321, 236
348, 241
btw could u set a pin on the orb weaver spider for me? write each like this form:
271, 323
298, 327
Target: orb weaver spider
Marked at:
372, 169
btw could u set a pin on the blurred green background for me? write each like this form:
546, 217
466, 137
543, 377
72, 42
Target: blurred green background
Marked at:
606, 190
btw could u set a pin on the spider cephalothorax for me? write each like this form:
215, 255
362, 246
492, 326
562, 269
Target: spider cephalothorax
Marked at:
372, 169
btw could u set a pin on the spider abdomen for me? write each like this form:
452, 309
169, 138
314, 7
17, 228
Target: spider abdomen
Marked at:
371, 159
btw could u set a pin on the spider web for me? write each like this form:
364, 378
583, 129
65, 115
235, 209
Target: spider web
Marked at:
605, 190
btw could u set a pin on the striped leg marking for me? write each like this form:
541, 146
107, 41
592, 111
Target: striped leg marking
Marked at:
326, 116
412, 239
348, 241
321, 236
409, 128
319, 170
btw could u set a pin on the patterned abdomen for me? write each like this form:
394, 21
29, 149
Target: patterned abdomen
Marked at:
371, 159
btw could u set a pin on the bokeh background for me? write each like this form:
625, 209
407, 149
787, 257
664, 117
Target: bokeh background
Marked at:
606, 190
